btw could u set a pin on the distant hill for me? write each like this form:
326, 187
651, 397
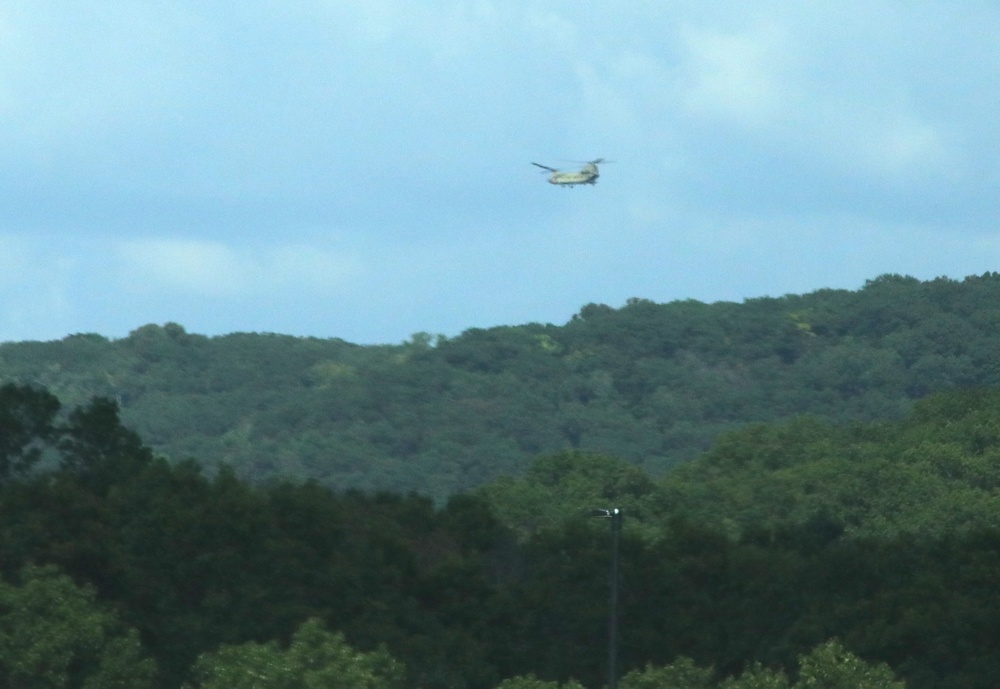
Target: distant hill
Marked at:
653, 384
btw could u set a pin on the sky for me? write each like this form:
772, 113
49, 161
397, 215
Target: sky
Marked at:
362, 169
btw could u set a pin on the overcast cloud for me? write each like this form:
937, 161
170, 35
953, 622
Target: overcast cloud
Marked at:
361, 169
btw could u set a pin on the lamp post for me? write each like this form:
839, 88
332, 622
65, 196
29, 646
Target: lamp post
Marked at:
615, 515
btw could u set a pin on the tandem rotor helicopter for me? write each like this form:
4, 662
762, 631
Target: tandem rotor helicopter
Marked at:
588, 174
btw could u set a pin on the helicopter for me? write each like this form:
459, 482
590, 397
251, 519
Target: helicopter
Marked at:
588, 174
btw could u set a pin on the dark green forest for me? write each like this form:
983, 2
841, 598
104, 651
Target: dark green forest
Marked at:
809, 485
652, 384
793, 554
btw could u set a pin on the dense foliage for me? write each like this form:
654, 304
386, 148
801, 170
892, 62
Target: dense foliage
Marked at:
652, 384
762, 564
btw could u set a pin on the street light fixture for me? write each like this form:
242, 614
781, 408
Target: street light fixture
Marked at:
615, 515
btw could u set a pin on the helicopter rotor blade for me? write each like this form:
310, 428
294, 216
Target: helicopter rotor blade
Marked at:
545, 167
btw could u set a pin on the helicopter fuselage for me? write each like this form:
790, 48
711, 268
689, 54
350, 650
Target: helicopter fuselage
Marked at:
588, 175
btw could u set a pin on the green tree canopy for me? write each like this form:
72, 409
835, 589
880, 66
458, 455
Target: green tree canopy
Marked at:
27, 416
315, 659
532, 682
831, 666
54, 635
652, 384
827, 666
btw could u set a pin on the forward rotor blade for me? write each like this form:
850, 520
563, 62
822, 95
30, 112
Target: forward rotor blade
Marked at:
545, 167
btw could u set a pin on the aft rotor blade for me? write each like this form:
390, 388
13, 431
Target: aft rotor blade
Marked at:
545, 167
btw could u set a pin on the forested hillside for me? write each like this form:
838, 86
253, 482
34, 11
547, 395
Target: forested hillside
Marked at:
793, 555
653, 384
934, 474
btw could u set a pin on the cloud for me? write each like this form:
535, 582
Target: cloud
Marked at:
15, 260
217, 270
68, 88
736, 76
35, 288
191, 266
763, 80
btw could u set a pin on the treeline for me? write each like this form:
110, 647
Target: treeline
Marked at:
652, 384
120, 568
933, 474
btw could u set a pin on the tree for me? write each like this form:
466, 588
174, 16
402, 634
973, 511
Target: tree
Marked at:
681, 674
757, 677
565, 486
532, 682
53, 635
99, 449
827, 666
315, 659
831, 666
26, 417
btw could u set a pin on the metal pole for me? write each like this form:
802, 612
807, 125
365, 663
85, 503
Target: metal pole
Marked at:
616, 527
615, 514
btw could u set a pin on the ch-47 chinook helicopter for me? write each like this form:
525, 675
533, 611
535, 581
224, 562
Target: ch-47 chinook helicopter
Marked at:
588, 174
